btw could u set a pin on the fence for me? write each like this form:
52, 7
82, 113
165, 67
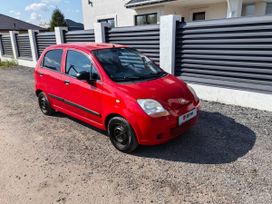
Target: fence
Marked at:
144, 38
6, 46
79, 36
43, 40
23, 46
214, 56
231, 53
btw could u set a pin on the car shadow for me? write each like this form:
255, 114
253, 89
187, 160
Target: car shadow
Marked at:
216, 139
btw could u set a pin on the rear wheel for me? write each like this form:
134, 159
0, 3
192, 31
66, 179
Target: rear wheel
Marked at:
45, 105
122, 135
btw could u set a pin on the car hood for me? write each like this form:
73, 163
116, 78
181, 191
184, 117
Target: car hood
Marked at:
169, 91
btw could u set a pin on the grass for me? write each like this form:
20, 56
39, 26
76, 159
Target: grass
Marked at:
7, 63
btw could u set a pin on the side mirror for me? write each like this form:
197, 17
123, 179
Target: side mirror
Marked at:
83, 76
93, 77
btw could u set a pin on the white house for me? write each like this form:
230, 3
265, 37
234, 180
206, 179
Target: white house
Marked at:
137, 12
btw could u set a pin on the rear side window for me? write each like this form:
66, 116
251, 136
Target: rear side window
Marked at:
77, 62
52, 59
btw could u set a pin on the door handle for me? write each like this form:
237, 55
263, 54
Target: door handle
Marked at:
41, 74
67, 82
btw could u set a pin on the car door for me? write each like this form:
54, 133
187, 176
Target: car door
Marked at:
83, 99
51, 77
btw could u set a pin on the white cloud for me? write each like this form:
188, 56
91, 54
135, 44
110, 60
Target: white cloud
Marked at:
35, 16
37, 7
51, 1
15, 14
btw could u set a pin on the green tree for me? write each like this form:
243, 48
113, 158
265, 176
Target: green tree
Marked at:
57, 20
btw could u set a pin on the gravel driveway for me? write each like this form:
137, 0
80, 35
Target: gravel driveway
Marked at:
226, 158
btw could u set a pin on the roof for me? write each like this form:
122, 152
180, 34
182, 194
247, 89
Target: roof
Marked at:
9, 23
136, 3
72, 25
89, 46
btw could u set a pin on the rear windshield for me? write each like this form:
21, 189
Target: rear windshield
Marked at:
126, 64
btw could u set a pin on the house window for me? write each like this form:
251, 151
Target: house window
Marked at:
145, 19
248, 10
199, 16
108, 20
268, 8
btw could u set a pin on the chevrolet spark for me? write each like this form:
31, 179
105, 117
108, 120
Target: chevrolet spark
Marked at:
117, 89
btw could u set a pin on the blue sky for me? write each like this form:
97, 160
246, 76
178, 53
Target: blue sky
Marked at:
39, 11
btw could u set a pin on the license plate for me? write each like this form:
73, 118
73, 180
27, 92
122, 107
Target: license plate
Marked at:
187, 116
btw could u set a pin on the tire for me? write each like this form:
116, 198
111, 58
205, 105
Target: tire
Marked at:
122, 135
45, 105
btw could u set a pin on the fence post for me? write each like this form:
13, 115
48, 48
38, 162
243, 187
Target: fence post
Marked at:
100, 32
168, 42
33, 44
59, 32
14, 43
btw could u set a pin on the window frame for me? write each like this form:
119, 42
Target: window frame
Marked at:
100, 20
199, 12
42, 62
87, 56
244, 6
266, 9
145, 15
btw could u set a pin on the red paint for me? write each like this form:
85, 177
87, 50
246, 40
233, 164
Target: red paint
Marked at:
103, 97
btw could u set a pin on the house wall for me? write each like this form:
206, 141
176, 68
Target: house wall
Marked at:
125, 16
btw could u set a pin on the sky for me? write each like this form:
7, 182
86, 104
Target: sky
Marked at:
39, 12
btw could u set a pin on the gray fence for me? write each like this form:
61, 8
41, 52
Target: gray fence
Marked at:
6, 45
79, 36
146, 39
44, 40
233, 53
23, 46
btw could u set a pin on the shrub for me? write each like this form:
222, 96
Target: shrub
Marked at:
7, 63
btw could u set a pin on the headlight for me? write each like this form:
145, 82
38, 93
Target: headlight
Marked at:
152, 107
193, 92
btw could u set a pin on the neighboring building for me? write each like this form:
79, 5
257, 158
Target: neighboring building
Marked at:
72, 25
138, 12
8, 23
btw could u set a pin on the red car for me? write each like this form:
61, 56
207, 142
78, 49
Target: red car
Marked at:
118, 89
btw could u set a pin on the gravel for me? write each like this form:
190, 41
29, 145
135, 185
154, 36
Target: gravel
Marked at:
225, 158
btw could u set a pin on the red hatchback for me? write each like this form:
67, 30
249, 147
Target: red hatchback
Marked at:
118, 89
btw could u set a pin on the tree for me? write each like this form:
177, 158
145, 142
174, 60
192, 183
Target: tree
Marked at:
57, 20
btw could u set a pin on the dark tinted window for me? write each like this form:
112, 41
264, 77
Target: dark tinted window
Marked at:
108, 20
199, 16
126, 64
146, 19
77, 62
52, 59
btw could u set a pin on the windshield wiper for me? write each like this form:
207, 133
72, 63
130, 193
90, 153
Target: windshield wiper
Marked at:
128, 78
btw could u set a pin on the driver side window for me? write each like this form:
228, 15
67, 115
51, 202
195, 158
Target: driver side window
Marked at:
77, 62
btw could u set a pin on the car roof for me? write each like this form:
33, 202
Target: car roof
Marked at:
89, 46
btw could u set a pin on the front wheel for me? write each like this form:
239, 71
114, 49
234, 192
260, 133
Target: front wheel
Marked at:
122, 135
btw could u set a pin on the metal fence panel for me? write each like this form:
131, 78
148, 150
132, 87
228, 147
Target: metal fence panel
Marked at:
44, 40
6, 45
146, 39
233, 53
23, 46
79, 36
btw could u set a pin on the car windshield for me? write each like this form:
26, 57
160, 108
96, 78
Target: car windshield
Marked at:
127, 64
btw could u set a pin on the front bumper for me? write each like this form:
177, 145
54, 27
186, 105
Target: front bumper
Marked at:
154, 131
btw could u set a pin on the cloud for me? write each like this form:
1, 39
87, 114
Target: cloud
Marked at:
35, 16
51, 1
37, 7
14, 13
